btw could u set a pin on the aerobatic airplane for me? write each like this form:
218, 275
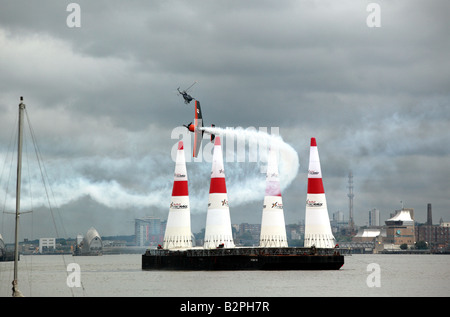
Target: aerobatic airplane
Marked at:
196, 128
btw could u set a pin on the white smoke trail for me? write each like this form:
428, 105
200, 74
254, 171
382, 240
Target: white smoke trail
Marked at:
73, 184
250, 185
146, 182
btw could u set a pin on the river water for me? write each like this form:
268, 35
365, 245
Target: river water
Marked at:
121, 275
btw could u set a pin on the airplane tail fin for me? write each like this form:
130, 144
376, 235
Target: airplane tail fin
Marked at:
198, 124
213, 136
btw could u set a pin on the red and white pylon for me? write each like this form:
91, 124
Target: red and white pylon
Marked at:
218, 223
273, 228
178, 228
317, 222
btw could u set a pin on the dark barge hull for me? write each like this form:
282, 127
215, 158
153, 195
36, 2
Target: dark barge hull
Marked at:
8, 256
243, 259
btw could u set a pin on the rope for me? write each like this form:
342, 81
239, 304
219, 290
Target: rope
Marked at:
44, 177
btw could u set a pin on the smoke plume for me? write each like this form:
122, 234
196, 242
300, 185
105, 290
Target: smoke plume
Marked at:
146, 182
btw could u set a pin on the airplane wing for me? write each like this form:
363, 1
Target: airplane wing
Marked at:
198, 133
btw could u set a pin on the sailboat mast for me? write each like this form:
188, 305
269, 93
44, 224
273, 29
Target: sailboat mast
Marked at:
18, 184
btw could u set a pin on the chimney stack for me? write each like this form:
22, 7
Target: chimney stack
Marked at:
429, 216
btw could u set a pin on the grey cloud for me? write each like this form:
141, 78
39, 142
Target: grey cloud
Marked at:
376, 98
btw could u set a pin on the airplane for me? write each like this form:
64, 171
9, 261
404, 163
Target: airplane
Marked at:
187, 98
196, 128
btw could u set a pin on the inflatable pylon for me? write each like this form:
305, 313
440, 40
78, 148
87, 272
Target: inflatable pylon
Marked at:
178, 229
218, 223
317, 222
273, 228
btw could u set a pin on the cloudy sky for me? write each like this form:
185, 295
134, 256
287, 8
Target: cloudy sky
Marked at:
102, 102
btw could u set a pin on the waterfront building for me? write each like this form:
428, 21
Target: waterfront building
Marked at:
434, 235
45, 244
338, 223
148, 231
400, 228
369, 235
90, 245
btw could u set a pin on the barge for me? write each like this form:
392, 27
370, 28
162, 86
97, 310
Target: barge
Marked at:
253, 258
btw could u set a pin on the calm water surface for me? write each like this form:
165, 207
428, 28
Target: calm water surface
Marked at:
121, 275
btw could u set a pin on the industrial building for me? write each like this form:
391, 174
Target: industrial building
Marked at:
400, 230
435, 236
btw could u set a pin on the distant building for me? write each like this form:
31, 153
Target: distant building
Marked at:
436, 236
295, 234
369, 235
79, 238
253, 229
149, 231
248, 233
338, 216
338, 222
45, 244
400, 228
90, 245
374, 218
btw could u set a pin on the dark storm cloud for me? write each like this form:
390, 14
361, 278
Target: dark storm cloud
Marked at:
377, 99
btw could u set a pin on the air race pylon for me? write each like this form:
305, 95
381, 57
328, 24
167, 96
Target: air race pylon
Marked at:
273, 229
218, 223
317, 222
178, 229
